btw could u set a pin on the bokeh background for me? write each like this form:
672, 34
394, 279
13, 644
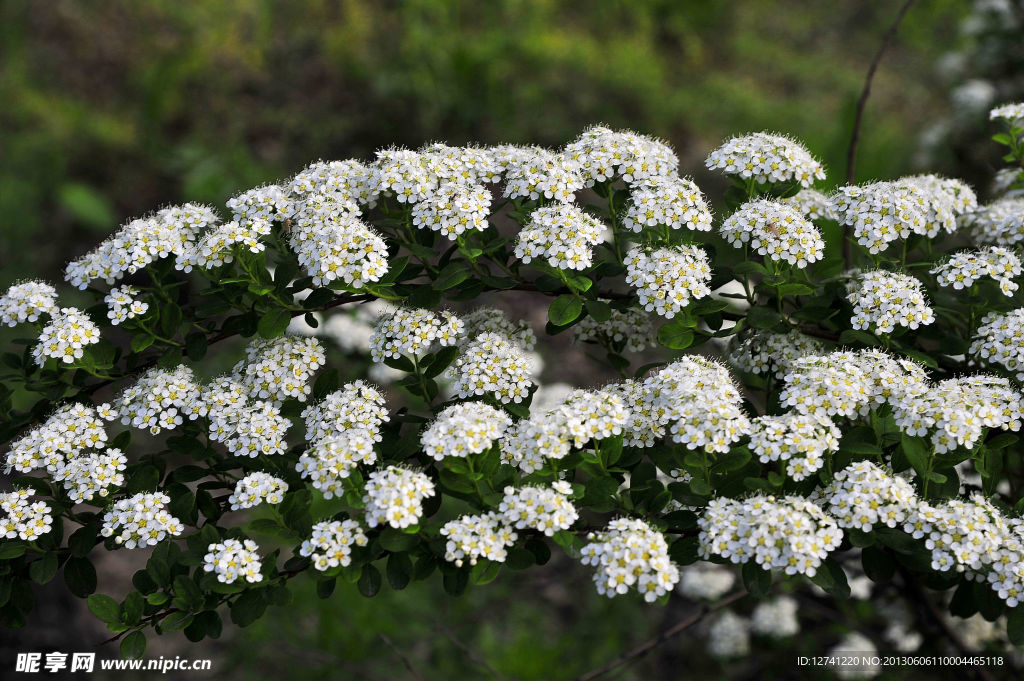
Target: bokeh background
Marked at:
111, 108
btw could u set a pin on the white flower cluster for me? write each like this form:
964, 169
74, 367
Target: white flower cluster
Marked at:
280, 368
1005, 185
645, 425
879, 213
604, 154
847, 383
628, 553
395, 496
728, 636
158, 400
412, 331
884, 300
706, 581
140, 520
251, 429
218, 246
341, 431
863, 495
66, 336
332, 542
268, 203
973, 537
256, 488
492, 320
963, 269
340, 246
356, 406
698, 397
776, 231
402, 173
491, 365
810, 203
1010, 113
562, 235
477, 536
546, 509
593, 415
800, 440
776, 618
854, 646
674, 202
789, 533
533, 172
123, 304
667, 279
767, 159
27, 302
171, 231
64, 436
771, 354
347, 181
941, 200
528, 443
957, 411
1000, 223
24, 519
327, 462
632, 328
462, 165
86, 476
232, 559
454, 209
999, 339
464, 429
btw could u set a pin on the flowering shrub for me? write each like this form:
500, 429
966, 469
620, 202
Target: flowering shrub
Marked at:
375, 420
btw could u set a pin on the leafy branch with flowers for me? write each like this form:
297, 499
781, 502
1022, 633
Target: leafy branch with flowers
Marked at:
777, 408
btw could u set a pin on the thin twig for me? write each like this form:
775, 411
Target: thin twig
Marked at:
405, 660
470, 653
851, 152
918, 595
676, 629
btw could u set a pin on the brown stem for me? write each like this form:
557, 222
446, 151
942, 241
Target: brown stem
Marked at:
851, 152
676, 629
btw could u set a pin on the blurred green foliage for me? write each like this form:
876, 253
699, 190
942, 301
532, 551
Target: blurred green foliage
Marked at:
114, 108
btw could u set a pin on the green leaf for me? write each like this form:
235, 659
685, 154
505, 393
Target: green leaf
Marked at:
369, 581
87, 205
565, 309
751, 267
177, 621
133, 646
396, 541
1001, 441
10, 550
451, 276
195, 346
599, 310
916, 453
831, 577
248, 607
80, 576
675, 336
1015, 625
756, 579
44, 569
399, 570
274, 323
763, 317
795, 289
104, 607
857, 336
